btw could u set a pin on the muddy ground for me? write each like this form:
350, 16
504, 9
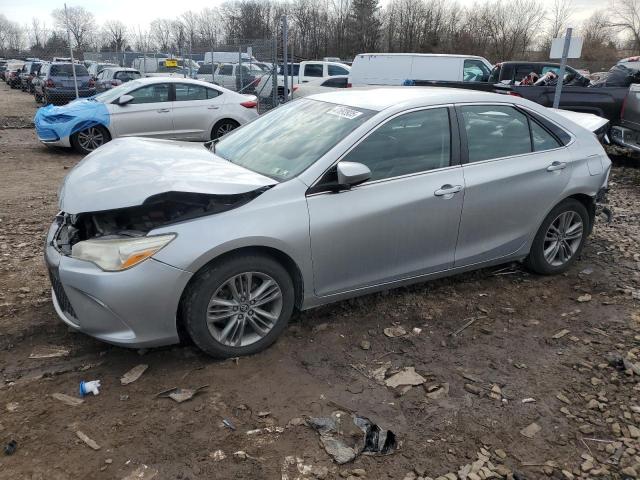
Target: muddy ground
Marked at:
548, 340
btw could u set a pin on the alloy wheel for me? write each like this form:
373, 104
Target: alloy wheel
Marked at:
563, 238
91, 138
224, 129
244, 309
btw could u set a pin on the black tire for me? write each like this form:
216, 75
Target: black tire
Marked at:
198, 295
536, 260
223, 127
37, 97
76, 143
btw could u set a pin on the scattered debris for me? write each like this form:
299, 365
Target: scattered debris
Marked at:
12, 406
560, 334
529, 400
181, 394
134, 374
416, 331
142, 473
242, 455
49, 352
584, 298
217, 456
89, 387
407, 376
344, 436
563, 398
437, 390
472, 389
261, 431
380, 373
228, 424
68, 400
587, 271
531, 430
11, 447
470, 322
395, 331
365, 345
91, 443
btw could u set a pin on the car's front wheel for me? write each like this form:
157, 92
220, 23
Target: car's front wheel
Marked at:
87, 140
238, 306
560, 239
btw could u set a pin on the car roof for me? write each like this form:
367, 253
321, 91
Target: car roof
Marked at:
419, 55
381, 98
151, 80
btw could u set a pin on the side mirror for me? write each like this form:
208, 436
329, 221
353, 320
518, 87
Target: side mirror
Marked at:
124, 99
351, 174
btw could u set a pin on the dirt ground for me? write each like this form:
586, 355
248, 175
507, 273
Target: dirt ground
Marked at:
557, 352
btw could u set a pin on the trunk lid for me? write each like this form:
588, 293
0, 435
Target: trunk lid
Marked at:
127, 171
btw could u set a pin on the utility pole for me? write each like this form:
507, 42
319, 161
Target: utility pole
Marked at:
73, 63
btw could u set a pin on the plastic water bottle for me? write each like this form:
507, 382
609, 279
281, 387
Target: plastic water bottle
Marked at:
89, 387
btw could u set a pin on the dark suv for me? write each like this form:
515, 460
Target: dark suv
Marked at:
55, 84
28, 73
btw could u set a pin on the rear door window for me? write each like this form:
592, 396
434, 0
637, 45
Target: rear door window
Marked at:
127, 76
313, 70
542, 140
495, 131
335, 83
337, 70
226, 70
187, 92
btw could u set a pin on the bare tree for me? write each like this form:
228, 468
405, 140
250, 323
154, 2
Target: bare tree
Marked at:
560, 16
38, 32
116, 34
160, 30
626, 17
79, 21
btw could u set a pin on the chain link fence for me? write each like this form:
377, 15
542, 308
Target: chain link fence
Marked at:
52, 76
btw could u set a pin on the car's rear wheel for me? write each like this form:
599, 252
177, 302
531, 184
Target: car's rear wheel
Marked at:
223, 127
238, 306
87, 140
560, 239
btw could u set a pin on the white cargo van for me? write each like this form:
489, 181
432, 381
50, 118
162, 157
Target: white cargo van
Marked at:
403, 68
228, 57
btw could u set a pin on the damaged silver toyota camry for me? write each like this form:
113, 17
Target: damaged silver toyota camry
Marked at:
324, 198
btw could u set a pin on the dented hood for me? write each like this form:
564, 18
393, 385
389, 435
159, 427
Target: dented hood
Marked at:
127, 171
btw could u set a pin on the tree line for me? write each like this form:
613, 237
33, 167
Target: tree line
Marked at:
495, 29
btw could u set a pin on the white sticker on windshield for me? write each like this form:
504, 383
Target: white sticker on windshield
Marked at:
344, 112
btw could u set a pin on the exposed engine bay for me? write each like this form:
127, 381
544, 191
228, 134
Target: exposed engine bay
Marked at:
156, 211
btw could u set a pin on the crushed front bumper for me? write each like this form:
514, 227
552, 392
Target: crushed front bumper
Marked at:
132, 308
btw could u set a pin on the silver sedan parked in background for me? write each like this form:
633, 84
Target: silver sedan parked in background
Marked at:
324, 198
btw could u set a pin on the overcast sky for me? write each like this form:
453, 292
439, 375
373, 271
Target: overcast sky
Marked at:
141, 12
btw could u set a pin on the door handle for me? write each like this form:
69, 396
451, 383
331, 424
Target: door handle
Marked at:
164, 110
213, 107
305, 81
447, 190
556, 166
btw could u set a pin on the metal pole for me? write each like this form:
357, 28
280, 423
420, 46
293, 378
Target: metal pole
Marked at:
73, 64
285, 64
563, 65
274, 72
292, 73
239, 76
213, 80
184, 68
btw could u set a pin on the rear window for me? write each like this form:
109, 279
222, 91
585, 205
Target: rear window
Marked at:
66, 70
127, 76
292, 70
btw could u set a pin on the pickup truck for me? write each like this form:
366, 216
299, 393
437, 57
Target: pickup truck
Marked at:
605, 102
627, 132
300, 73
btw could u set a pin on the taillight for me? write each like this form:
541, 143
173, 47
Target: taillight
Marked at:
92, 82
249, 104
296, 87
49, 83
624, 105
349, 85
515, 94
115, 82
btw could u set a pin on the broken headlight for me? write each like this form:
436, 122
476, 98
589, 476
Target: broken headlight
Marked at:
117, 254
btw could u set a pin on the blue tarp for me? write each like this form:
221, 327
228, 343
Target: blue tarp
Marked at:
61, 122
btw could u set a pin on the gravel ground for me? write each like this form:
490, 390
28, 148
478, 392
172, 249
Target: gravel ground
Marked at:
544, 381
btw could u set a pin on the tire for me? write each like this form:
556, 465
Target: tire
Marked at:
223, 127
37, 97
559, 233
87, 140
213, 283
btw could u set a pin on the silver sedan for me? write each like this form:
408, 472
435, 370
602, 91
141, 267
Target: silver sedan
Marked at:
324, 198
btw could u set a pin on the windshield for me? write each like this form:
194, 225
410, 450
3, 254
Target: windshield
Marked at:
110, 95
286, 141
